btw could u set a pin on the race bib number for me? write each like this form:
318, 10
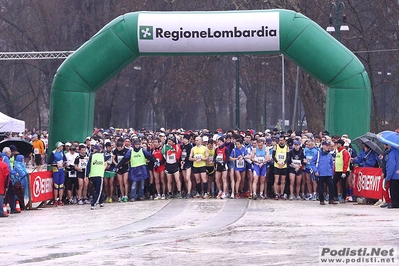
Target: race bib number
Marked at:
240, 163
171, 158
60, 164
296, 162
183, 155
219, 158
308, 159
260, 159
72, 174
281, 157
197, 156
36, 151
83, 163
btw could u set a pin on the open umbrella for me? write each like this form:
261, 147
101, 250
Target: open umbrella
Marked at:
23, 147
389, 137
371, 144
370, 136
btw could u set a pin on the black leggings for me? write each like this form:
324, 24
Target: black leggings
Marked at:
336, 179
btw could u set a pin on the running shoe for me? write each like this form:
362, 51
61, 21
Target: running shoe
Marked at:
277, 197
56, 203
340, 199
254, 196
298, 198
219, 195
309, 197
179, 195
132, 200
349, 199
232, 196
250, 196
384, 205
378, 203
247, 194
119, 199
170, 196
86, 201
101, 205
327, 197
60, 203
283, 197
196, 196
188, 195
93, 207
163, 197
205, 196
238, 196
314, 198
291, 197
80, 202
224, 195
261, 196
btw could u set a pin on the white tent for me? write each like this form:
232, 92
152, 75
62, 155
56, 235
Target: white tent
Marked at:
9, 124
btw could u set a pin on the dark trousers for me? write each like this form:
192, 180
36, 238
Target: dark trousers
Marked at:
98, 186
337, 178
10, 198
320, 186
394, 192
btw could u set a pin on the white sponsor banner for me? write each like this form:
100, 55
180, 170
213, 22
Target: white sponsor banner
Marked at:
208, 32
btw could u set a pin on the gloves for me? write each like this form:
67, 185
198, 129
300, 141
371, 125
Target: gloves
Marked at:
343, 175
157, 164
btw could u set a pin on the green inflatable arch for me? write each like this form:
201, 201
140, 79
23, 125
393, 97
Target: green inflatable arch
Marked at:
205, 33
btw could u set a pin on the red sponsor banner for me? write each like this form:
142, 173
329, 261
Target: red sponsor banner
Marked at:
368, 182
41, 186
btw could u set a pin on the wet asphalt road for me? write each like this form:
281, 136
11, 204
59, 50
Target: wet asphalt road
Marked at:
192, 232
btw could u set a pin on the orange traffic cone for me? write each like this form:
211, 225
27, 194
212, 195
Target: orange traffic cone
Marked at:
5, 210
17, 206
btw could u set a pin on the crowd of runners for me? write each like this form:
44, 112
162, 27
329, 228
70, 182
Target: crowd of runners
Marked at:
121, 165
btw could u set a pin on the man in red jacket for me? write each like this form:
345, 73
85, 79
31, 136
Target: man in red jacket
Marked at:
4, 181
341, 169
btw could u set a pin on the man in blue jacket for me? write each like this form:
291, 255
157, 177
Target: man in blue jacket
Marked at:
322, 166
392, 169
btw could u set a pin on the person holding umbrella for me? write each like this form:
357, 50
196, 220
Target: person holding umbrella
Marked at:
367, 157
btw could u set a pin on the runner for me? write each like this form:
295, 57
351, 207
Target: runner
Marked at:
280, 156
296, 158
260, 156
159, 169
122, 173
72, 183
83, 182
199, 155
311, 184
238, 155
57, 161
210, 169
172, 153
109, 174
221, 159
186, 164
